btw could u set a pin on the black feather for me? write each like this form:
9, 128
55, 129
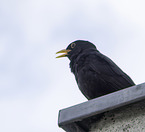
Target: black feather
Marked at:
96, 74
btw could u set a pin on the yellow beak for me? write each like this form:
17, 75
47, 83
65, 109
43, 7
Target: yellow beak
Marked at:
63, 51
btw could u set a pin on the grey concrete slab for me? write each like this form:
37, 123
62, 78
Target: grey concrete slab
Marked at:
76, 114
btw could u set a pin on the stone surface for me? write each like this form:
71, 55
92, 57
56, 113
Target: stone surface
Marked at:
130, 118
120, 113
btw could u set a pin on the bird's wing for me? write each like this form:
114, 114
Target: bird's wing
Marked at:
109, 70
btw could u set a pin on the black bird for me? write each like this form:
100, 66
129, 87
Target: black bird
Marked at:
96, 74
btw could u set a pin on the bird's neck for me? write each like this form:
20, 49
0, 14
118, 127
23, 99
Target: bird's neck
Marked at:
79, 59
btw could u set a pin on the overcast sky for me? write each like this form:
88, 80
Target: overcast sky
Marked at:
34, 85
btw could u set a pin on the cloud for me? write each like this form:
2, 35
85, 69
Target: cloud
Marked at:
34, 85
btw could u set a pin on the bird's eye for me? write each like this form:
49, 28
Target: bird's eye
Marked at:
73, 45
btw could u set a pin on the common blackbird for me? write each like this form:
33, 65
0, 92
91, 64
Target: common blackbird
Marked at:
96, 74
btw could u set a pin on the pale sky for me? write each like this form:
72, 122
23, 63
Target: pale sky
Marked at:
34, 85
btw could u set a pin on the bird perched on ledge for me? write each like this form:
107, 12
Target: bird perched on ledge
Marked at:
96, 74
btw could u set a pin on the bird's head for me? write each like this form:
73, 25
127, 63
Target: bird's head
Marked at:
75, 48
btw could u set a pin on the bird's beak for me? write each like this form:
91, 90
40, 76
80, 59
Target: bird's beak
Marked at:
63, 51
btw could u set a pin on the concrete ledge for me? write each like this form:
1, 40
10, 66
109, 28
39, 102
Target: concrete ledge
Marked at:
79, 118
129, 118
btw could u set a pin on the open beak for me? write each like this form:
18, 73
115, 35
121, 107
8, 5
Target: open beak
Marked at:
63, 51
